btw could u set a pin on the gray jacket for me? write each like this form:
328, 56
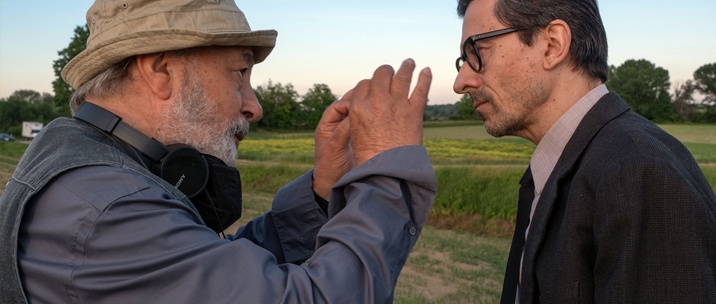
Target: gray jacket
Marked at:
83, 221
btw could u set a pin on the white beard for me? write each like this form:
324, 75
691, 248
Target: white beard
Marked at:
194, 120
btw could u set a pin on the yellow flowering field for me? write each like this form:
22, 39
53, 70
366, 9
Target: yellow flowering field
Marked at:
441, 151
277, 149
476, 151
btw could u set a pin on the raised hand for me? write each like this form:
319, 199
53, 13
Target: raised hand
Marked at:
383, 116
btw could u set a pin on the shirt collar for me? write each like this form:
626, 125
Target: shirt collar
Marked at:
552, 145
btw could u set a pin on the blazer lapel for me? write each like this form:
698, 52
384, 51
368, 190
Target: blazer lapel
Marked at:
607, 108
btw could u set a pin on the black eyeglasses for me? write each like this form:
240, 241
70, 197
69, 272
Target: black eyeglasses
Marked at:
471, 54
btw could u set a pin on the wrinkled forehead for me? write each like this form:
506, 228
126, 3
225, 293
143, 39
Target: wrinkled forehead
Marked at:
480, 18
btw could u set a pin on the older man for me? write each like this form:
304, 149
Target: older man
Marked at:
612, 209
122, 204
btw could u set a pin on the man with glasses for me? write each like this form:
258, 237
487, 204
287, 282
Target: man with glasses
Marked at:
611, 209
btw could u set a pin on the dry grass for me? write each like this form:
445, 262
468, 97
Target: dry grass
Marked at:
7, 167
446, 266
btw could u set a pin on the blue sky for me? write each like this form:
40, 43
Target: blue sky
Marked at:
341, 42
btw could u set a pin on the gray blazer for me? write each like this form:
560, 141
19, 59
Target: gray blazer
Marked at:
626, 217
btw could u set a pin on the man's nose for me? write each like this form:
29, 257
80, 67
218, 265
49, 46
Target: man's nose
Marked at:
251, 108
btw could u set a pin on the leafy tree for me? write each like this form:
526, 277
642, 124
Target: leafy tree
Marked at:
465, 110
708, 116
26, 95
316, 100
12, 112
644, 87
63, 91
684, 101
48, 98
279, 105
440, 112
25, 105
705, 78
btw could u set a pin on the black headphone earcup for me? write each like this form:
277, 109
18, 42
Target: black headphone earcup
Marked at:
185, 168
182, 166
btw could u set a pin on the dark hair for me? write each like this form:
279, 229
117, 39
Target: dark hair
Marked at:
588, 49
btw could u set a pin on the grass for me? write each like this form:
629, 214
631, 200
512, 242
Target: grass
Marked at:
710, 174
12, 149
451, 123
692, 133
488, 190
10, 153
453, 267
268, 178
445, 266
481, 151
459, 132
703, 153
278, 149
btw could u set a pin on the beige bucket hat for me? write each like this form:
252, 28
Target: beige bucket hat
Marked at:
120, 29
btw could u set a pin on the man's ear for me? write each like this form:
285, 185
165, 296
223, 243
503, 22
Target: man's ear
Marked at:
559, 40
157, 71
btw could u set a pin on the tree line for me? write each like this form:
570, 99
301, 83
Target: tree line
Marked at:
26, 105
284, 108
643, 85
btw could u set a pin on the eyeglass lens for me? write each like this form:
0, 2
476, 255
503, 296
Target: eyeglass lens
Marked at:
471, 54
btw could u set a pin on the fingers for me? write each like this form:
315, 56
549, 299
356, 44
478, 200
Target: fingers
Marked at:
341, 135
419, 97
382, 78
336, 112
385, 80
402, 79
360, 91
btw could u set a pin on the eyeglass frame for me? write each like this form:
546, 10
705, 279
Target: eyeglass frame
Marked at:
475, 38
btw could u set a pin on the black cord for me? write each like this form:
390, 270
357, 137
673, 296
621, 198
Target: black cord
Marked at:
218, 221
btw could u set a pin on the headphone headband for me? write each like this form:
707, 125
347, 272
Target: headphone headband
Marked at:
180, 165
113, 124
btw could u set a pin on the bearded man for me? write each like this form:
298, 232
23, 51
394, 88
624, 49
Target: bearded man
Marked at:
124, 202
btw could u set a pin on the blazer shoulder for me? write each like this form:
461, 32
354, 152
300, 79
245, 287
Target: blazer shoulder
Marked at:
630, 134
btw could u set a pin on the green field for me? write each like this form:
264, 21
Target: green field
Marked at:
477, 199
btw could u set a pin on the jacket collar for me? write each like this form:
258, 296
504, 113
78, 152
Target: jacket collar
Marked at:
606, 109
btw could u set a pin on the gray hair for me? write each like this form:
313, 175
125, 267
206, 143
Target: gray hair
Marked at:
105, 84
111, 81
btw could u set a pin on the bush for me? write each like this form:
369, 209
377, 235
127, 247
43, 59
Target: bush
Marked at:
709, 116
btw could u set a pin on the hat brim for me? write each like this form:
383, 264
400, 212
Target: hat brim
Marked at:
89, 63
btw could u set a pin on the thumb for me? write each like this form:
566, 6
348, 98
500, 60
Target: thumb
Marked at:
419, 97
341, 135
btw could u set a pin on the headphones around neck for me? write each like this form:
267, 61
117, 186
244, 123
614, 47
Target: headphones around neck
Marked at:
180, 165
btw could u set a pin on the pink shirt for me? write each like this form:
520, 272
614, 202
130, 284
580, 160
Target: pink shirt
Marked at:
552, 144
